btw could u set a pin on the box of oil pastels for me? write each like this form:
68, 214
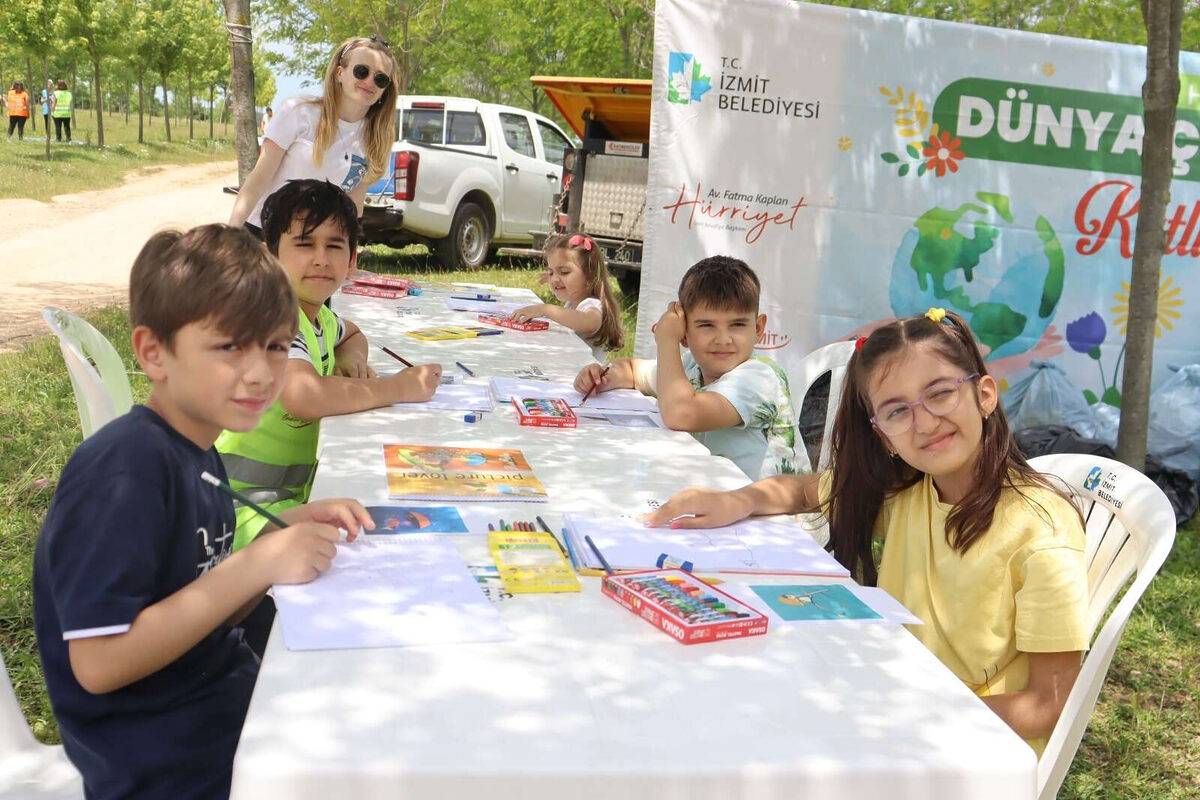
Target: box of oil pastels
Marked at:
683, 606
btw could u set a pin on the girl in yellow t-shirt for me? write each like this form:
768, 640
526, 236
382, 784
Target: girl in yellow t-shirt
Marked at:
978, 545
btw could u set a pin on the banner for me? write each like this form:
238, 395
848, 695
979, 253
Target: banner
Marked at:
869, 166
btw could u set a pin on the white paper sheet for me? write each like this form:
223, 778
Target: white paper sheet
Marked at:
748, 546
628, 400
495, 308
457, 397
409, 591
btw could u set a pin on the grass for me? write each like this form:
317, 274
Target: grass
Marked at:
76, 167
1144, 738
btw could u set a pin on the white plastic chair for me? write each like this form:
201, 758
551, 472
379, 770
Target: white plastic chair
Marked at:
831, 358
98, 375
30, 770
1130, 530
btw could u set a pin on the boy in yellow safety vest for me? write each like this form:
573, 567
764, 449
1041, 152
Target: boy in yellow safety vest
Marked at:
312, 227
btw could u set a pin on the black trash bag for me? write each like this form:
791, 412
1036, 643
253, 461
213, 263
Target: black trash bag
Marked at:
1180, 489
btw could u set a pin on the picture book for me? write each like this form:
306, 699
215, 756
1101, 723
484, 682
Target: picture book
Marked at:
419, 472
452, 332
416, 519
530, 562
815, 602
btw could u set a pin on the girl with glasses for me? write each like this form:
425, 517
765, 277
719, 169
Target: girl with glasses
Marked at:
976, 543
344, 136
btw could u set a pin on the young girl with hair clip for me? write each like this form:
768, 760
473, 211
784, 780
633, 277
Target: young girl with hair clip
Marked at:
977, 544
578, 276
344, 136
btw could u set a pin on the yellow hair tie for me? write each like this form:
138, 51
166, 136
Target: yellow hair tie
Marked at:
936, 314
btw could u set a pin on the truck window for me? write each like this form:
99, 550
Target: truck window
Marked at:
466, 127
422, 125
517, 134
554, 143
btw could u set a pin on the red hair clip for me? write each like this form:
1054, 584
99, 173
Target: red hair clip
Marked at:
859, 342
580, 240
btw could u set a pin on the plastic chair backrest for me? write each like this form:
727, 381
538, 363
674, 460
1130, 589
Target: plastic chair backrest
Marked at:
1130, 529
98, 375
831, 358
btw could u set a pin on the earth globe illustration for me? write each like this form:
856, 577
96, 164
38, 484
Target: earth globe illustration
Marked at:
1002, 273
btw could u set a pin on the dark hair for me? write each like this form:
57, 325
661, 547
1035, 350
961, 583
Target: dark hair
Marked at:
591, 262
210, 272
312, 202
722, 283
864, 474
18, 85
62, 84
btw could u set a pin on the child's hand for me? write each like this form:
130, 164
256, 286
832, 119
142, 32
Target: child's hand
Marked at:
700, 508
592, 375
296, 554
671, 327
418, 383
349, 515
529, 312
354, 366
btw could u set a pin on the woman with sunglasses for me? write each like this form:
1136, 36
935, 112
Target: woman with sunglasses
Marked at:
344, 136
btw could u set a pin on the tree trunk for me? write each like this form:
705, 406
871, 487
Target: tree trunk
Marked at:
1160, 94
128, 93
166, 108
74, 99
191, 110
45, 124
141, 102
212, 92
99, 98
241, 56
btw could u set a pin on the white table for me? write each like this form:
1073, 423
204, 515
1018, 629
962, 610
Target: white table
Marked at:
590, 702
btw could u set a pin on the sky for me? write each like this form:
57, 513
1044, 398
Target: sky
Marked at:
287, 85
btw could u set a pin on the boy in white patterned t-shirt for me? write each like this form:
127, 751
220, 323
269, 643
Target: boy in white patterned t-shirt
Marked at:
738, 405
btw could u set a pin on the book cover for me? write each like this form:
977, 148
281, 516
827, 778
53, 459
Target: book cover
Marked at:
460, 473
814, 602
416, 519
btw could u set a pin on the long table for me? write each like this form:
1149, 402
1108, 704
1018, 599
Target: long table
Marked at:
587, 701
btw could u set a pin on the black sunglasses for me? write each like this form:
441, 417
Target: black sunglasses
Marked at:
361, 71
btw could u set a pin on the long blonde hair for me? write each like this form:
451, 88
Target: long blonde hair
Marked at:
380, 119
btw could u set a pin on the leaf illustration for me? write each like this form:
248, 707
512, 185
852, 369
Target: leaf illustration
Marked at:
890, 158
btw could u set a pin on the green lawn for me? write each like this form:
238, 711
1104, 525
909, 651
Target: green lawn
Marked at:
77, 167
1144, 741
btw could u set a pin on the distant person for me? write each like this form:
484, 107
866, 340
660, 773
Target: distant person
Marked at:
47, 104
344, 136
61, 111
18, 110
268, 115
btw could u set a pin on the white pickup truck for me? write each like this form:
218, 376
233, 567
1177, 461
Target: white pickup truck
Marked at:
466, 178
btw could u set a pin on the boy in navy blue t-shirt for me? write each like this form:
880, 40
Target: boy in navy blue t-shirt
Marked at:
136, 590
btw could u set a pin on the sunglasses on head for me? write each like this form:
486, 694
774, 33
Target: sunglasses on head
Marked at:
361, 71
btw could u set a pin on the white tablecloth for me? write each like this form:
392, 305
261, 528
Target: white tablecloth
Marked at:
588, 701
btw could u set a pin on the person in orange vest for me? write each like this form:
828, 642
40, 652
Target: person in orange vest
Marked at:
18, 109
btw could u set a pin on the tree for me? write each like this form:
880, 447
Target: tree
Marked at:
99, 27
30, 25
241, 57
173, 25
264, 81
1160, 95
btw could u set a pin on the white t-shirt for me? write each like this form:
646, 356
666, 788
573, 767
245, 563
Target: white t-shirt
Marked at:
294, 128
598, 353
299, 348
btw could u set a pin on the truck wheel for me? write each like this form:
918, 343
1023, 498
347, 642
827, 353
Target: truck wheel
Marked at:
630, 281
467, 245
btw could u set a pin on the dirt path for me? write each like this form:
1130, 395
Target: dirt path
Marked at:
76, 250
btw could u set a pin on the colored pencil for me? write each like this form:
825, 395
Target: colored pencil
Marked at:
599, 555
208, 477
464, 368
603, 372
403, 361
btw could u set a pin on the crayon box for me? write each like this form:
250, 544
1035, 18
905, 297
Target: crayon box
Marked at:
544, 412
505, 322
365, 278
683, 606
373, 291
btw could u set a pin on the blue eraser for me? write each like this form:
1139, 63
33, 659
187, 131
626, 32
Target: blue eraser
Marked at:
471, 417
414, 291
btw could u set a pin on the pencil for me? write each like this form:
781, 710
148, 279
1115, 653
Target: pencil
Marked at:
557, 543
603, 372
464, 368
208, 477
599, 555
403, 361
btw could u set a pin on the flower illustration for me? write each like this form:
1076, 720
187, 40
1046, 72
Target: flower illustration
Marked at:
943, 153
1086, 334
845, 143
1168, 301
1048, 69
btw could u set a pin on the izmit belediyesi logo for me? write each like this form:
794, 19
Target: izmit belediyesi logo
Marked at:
1092, 480
686, 81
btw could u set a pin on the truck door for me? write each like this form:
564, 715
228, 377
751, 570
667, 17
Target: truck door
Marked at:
526, 187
